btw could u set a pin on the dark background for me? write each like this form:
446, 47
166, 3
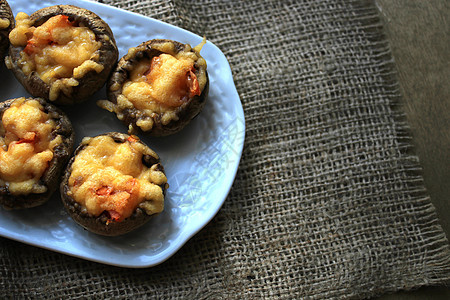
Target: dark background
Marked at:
418, 32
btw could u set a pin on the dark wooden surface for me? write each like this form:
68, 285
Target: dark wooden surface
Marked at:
418, 31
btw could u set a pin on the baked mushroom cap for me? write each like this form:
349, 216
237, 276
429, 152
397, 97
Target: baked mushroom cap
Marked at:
156, 123
6, 24
104, 223
50, 179
92, 80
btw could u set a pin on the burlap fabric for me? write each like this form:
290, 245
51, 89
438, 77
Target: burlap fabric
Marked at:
328, 201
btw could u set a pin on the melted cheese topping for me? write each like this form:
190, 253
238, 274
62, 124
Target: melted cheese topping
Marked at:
159, 86
166, 81
58, 51
110, 176
26, 146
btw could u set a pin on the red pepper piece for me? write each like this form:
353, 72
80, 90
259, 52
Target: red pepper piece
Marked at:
194, 88
133, 138
104, 191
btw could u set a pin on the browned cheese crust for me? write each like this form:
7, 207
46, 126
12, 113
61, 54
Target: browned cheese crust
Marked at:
5, 14
51, 176
99, 224
91, 81
186, 112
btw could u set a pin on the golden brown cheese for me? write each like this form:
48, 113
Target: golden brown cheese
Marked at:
26, 146
164, 82
110, 176
161, 85
57, 50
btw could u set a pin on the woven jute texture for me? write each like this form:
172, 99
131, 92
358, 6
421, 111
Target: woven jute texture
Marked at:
328, 201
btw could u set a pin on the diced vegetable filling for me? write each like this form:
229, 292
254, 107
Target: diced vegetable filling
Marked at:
165, 80
110, 176
156, 88
58, 49
26, 146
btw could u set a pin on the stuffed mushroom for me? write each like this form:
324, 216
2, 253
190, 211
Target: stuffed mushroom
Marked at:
158, 87
36, 141
113, 184
6, 24
62, 53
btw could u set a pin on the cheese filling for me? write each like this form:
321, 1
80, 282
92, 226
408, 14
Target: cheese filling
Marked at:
59, 51
110, 176
26, 146
165, 80
160, 85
